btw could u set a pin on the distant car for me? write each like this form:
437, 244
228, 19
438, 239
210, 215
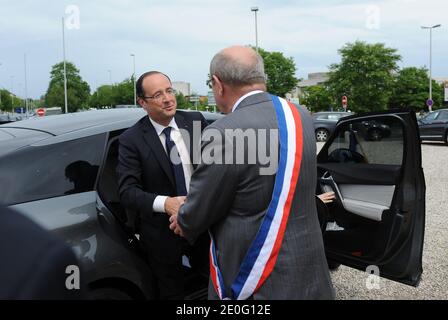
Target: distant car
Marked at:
325, 123
374, 130
6, 118
434, 126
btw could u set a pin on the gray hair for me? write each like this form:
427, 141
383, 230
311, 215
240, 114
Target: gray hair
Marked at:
236, 73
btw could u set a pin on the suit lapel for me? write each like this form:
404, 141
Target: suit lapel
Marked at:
152, 139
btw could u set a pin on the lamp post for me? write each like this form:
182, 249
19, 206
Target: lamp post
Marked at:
255, 9
12, 95
26, 89
110, 81
430, 61
135, 88
65, 67
110, 77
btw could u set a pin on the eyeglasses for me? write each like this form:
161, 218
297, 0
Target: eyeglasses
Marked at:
159, 95
209, 81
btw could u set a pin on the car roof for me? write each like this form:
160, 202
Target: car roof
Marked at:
46, 130
64, 123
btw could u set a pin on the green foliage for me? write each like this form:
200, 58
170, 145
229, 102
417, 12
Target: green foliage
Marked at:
411, 90
318, 98
365, 75
123, 92
78, 91
6, 102
280, 71
102, 97
182, 102
110, 96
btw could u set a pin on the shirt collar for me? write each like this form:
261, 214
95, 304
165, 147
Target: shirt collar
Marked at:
159, 128
244, 97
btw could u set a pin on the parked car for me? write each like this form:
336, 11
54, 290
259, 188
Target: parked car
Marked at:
60, 172
434, 126
374, 130
325, 122
7, 118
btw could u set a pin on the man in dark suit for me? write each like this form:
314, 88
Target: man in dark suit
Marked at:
155, 166
33, 262
267, 242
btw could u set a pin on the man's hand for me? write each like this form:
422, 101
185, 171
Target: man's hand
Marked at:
174, 226
327, 197
172, 205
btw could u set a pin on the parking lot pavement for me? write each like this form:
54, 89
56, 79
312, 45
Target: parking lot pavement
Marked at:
351, 284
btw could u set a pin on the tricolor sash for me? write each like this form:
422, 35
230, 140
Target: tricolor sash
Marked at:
263, 252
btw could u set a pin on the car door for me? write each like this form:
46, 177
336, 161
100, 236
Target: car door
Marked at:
377, 220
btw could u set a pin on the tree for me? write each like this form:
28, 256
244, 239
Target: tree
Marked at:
78, 91
318, 98
123, 92
182, 102
411, 90
280, 72
6, 102
102, 97
365, 75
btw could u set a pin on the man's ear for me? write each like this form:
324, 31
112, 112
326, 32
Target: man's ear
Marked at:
141, 102
219, 85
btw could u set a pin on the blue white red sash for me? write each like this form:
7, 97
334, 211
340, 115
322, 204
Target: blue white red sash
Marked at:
262, 255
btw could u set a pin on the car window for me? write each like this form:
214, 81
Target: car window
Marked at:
369, 141
36, 173
431, 116
443, 115
322, 117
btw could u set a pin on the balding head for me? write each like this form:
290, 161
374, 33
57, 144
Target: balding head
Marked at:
238, 66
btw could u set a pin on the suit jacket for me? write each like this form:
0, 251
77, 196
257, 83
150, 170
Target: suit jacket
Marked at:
33, 261
144, 172
232, 199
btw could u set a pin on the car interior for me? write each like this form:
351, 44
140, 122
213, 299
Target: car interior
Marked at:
364, 175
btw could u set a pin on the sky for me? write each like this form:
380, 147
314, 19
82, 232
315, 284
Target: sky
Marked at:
180, 38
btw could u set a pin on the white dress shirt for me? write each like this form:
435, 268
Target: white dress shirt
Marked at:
237, 103
176, 136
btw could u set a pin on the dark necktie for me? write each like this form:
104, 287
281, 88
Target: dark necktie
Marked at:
178, 170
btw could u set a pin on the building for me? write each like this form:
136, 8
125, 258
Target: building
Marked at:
440, 80
182, 87
314, 79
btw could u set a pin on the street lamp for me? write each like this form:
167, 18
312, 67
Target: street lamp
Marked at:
110, 77
26, 89
430, 61
65, 66
135, 88
255, 9
110, 81
12, 95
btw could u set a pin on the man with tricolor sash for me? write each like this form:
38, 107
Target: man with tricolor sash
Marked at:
266, 242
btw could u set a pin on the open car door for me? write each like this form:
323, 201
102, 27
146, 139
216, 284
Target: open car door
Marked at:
373, 164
